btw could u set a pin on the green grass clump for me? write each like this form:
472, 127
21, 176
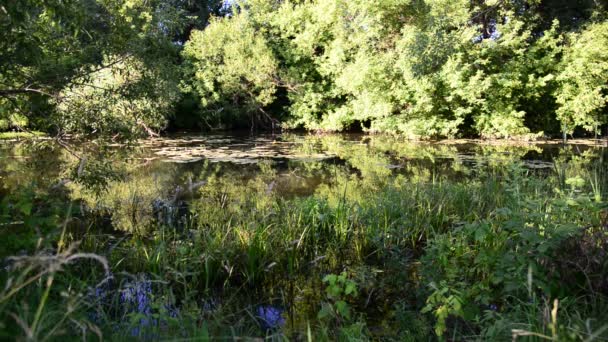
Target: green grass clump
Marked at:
504, 253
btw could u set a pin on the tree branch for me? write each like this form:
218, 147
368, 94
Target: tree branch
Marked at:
21, 91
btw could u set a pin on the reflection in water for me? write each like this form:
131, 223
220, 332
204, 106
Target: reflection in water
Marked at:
273, 215
160, 177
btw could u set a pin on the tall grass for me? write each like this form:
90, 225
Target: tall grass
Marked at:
486, 258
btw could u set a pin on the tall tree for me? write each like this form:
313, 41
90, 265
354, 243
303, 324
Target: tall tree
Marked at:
197, 14
48, 45
583, 91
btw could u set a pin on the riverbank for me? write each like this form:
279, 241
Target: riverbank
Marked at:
21, 135
380, 242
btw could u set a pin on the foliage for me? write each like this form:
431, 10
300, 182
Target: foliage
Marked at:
399, 241
19, 135
339, 288
53, 47
583, 92
235, 79
334, 238
421, 69
125, 98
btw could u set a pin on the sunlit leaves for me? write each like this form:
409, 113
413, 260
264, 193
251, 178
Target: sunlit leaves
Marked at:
422, 69
50, 48
583, 92
124, 98
231, 67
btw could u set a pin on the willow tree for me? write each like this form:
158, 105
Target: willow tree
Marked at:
230, 66
583, 91
48, 46
433, 68
125, 98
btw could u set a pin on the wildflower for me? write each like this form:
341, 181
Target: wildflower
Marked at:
270, 317
136, 299
138, 295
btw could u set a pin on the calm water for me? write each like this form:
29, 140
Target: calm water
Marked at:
160, 176
192, 182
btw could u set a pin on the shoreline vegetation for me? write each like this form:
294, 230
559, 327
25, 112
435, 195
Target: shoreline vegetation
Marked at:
440, 207
420, 69
21, 135
600, 141
485, 248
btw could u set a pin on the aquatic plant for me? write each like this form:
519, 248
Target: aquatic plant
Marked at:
472, 248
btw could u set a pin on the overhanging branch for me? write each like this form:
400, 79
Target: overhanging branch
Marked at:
22, 91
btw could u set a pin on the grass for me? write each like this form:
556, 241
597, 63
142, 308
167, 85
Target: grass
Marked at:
505, 253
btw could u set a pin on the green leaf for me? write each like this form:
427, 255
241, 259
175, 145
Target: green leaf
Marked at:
330, 278
26, 208
343, 309
350, 288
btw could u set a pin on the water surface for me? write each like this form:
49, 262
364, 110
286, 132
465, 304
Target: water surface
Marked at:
158, 177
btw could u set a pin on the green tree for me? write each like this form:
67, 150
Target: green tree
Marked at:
418, 68
233, 71
583, 90
423, 69
48, 46
124, 98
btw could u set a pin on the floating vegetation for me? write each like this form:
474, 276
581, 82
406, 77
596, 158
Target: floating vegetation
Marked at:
233, 150
355, 237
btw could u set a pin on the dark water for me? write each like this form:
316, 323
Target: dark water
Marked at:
190, 181
159, 174
300, 162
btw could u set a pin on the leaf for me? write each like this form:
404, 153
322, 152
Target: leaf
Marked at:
330, 278
343, 309
26, 208
350, 288
334, 291
428, 308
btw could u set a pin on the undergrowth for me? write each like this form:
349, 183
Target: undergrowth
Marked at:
504, 254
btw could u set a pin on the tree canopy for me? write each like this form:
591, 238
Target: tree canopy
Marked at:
421, 68
48, 47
